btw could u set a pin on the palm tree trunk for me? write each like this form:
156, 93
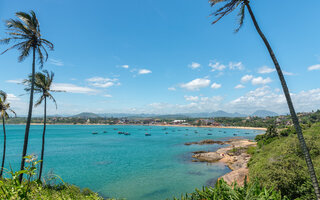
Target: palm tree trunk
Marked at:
294, 117
26, 135
43, 135
4, 146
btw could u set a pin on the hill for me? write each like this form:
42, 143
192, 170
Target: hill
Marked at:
264, 113
86, 115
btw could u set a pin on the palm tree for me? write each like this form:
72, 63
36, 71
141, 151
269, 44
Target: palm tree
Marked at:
42, 85
25, 33
4, 107
228, 7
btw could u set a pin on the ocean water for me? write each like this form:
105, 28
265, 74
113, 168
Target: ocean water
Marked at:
135, 167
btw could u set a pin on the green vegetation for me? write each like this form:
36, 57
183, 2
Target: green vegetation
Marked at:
278, 162
31, 188
223, 191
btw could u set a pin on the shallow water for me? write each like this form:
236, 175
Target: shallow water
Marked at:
135, 167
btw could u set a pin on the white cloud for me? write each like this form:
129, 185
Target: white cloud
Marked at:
144, 71
191, 98
103, 82
260, 80
172, 88
288, 73
314, 67
196, 84
265, 70
125, 66
267, 99
216, 66
107, 95
18, 81
56, 62
239, 86
12, 97
194, 65
246, 78
236, 66
72, 88
215, 86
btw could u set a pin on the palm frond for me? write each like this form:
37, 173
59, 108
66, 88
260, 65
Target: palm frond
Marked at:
15, 114
3, 96
227, 8
13, 47
53, 99
39, 101
241, 16
26, 27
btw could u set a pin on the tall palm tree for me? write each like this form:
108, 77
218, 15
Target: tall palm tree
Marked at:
25, 33
228, 7
4, 107
42, 85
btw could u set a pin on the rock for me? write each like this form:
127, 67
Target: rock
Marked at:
238, 176
207, 142
234, 156
208, 157
197, 152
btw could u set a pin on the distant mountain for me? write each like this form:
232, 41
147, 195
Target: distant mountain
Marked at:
264, 113
86, 115
219, 113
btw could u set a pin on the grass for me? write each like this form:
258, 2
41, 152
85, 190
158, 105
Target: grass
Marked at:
280, 164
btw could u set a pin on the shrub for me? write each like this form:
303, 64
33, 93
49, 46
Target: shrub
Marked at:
281, 164
222, 191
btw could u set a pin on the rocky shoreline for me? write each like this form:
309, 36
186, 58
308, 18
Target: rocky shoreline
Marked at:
235, 156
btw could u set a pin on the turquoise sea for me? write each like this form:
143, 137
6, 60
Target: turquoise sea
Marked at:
135, 167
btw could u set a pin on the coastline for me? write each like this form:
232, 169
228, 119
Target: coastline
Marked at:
234, 156
161, 125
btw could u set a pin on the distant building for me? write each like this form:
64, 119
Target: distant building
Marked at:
178, 121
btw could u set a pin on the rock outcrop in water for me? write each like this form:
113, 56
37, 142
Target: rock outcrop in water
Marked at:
234, 156
207, 142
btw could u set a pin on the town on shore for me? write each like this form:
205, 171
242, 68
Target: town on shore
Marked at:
219, 122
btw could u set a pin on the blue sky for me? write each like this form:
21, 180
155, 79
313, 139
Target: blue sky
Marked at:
161, 57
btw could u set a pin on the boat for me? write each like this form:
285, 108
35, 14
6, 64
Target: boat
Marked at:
209, 133
166, 132
94, 133
105, 131
120, 132
147, 134
115, 129
235, 134
126, 133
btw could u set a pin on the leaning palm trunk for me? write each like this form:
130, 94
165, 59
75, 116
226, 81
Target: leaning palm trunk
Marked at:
4, 146
43, 135
294, 117
26, 135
